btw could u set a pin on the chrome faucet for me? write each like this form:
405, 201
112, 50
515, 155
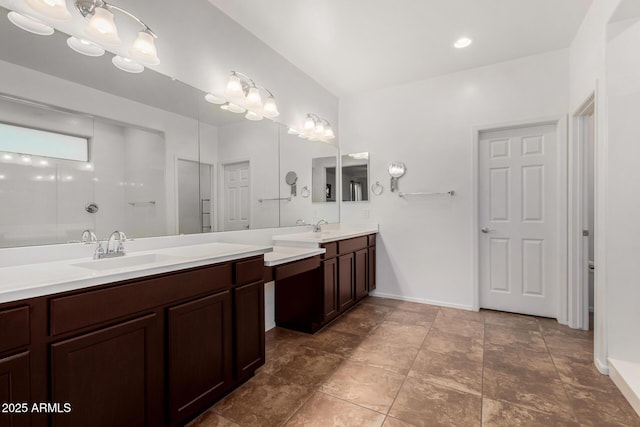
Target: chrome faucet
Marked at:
115, 246
317, 228
88, 236
301, 222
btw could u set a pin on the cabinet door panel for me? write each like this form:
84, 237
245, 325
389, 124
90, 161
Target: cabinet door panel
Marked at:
249, 321
372, 268
111, 377
345, 281
330, 288
14, 387
360, 273
200, 353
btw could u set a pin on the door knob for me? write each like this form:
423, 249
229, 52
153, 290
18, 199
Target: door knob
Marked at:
486, 230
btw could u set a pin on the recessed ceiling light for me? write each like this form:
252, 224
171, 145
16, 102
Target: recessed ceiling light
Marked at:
462, 42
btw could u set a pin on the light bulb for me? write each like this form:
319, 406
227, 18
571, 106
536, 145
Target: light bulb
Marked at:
101, 27
54, 9
309, 123
234, 88
144, 49
253, 98
270, 108
319, 129
30, 24
84, 47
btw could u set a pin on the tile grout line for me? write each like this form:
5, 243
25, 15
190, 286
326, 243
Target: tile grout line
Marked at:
553, 360
406, 377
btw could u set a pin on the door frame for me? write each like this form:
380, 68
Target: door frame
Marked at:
578, 289
560, 122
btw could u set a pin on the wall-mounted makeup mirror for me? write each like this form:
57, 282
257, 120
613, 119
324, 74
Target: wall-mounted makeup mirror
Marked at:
355, 177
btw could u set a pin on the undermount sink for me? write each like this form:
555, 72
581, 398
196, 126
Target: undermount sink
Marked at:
126, 261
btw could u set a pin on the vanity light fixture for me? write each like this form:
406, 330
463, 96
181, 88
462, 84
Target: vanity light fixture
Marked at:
316, 128
228, 106
242, 91
214, 99
101, 30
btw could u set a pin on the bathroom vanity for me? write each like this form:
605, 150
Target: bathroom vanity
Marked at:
313, 292
153, 349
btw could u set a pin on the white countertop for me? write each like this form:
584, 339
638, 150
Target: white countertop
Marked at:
326, 235
285, 254
34, 280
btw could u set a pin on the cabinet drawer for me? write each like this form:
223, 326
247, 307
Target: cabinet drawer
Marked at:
14, 327
331, 248
372, 239
94, 307
297, 267
352, 245
248, 271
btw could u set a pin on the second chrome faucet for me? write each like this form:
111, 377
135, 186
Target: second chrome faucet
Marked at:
114, 248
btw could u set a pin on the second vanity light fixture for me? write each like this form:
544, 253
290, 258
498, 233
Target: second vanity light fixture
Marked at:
101, 30
242, 94
315, 128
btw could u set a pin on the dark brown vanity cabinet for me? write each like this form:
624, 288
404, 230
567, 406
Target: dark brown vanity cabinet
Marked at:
330, 288
200, 353
153, 351
346, 292
111, 376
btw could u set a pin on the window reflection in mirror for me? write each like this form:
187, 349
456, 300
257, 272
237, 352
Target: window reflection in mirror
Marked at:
355, 177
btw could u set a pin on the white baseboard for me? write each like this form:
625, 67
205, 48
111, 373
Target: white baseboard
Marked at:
422, 301
626, 376
603, 368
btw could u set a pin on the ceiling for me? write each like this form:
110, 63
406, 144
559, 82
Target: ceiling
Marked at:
350, 46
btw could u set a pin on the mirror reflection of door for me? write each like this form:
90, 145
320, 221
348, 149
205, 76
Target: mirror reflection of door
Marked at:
323, 179
194, 197
354, 183
237, 204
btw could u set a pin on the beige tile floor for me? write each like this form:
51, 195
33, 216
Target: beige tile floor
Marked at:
391, 363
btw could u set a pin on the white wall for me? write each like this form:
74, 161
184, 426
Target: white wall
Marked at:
623, 188
425, 245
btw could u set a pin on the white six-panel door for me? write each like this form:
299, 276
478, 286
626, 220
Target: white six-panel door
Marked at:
517, 208
237, 204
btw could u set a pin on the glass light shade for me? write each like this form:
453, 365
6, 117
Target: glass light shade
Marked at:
253, 116
30, 24
54, 9
309, 123
270, 108
125, 64
214, 99
328, 133
101, 27
234, 88
319, 129
144, 49
233, 108
84, 47
253, 98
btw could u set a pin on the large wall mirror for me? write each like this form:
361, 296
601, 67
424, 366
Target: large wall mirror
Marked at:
159, 160
355, 177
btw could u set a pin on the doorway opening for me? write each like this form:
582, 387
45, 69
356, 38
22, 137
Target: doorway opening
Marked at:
582, 216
